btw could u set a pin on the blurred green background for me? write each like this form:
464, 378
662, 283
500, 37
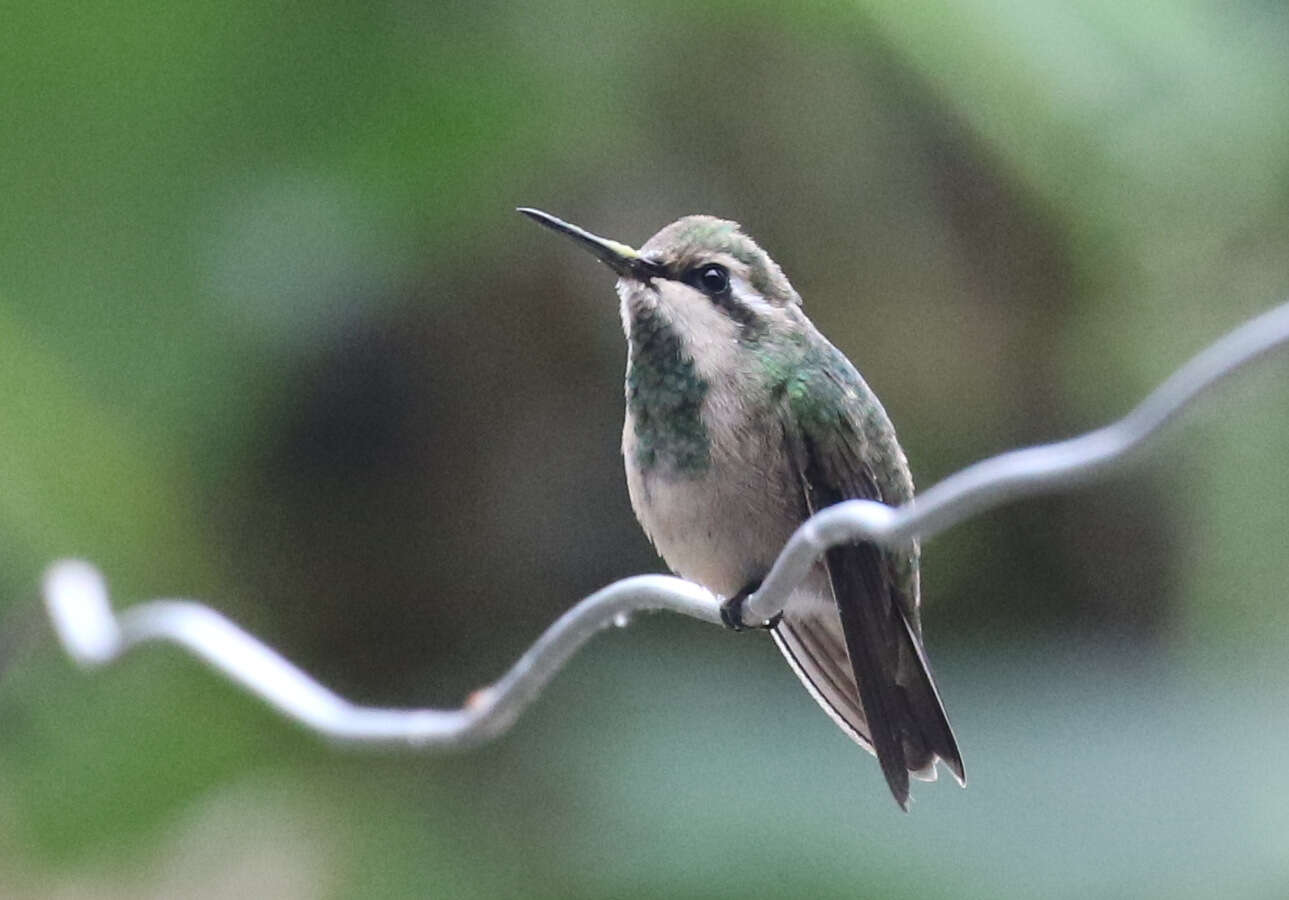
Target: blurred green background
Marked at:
272, 336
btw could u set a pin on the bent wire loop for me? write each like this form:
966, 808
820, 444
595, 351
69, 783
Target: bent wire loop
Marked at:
76, 595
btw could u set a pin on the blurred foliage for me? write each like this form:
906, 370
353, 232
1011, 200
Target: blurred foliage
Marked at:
271, 335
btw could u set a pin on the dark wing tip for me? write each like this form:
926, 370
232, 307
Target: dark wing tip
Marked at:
955, 767
941, 742
927, 710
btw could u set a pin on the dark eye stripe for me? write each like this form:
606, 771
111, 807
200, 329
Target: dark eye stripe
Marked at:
723, 299
737, 310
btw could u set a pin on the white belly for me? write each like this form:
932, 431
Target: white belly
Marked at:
724, 527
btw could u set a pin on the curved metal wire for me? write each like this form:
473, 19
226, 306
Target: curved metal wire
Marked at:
76, 595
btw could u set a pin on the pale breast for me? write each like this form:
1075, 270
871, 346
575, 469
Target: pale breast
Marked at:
723, 526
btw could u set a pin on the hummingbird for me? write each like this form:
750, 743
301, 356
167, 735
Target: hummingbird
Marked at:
742, 421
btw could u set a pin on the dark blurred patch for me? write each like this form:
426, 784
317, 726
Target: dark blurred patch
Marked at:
420, 509
354, 402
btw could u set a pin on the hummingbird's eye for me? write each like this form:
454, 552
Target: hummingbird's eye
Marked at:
712, 279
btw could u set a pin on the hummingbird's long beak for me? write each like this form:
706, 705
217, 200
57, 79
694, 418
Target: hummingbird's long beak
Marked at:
624, 260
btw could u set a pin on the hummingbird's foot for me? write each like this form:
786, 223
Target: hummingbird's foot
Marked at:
732, 610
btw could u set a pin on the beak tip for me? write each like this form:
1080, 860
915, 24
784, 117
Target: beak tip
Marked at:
622, 259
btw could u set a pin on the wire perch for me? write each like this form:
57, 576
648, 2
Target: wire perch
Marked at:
76, 593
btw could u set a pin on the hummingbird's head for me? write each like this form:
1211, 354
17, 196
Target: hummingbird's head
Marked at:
716, 258
711, 283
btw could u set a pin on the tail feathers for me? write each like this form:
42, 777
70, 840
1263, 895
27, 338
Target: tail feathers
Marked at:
815, 648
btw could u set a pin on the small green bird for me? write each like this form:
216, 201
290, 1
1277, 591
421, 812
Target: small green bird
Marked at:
742, 420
